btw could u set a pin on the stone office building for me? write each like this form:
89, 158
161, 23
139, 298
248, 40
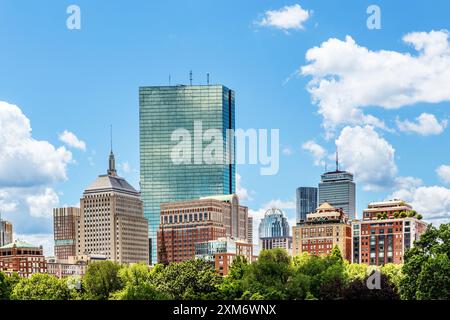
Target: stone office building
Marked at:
112, 220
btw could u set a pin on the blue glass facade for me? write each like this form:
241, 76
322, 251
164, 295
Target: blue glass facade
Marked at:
274, 225
306, 202
164, 110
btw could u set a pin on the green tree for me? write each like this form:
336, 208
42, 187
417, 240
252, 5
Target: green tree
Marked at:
232, 286
354, 271
327, 274
269, 275
41, 286
358, 290
137, 280
5, 291
393, 273
101, 279
188, 280
426, 268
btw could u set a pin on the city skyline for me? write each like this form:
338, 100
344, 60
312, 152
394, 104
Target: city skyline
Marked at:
68, 92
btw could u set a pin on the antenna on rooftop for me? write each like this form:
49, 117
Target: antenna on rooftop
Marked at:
170, 79
111, 138
337, 159
190, 77
207, 78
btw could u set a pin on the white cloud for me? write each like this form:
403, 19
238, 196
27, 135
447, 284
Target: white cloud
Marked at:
70, 139
444, 173
365, 153
29, 168
348, 77
407, 182
317, 151
44, 240
41, 204
280, 204
287, 18
25, 161
241, 192
426, 124
433, 202
7, 203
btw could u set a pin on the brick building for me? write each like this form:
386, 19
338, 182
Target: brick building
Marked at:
73, 266
322, 230
185, 223
222, 252
66, 223
387, 230
23, 258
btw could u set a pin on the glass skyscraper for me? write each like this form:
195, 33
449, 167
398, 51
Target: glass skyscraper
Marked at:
306, 202
338, 189
274, 224
164, 110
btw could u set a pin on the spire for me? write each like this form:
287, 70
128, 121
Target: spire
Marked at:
112, 161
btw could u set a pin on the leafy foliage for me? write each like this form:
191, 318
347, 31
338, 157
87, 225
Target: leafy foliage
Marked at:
358, 290
427, 266
137, 280
188, 280
102, 279
41, 286
275, 275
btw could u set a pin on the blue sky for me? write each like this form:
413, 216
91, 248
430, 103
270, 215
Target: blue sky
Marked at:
84, 80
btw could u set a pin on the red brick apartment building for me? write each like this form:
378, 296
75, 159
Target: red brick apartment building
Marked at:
23, 258
387, 230
185, 223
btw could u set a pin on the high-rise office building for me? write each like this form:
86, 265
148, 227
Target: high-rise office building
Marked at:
6, 232
169, 116
338, 189
274, 231
274, 224
185, 223
306, 202
65, 229
112, 220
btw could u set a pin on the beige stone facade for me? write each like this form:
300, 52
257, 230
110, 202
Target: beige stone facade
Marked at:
323, 229
112, 220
